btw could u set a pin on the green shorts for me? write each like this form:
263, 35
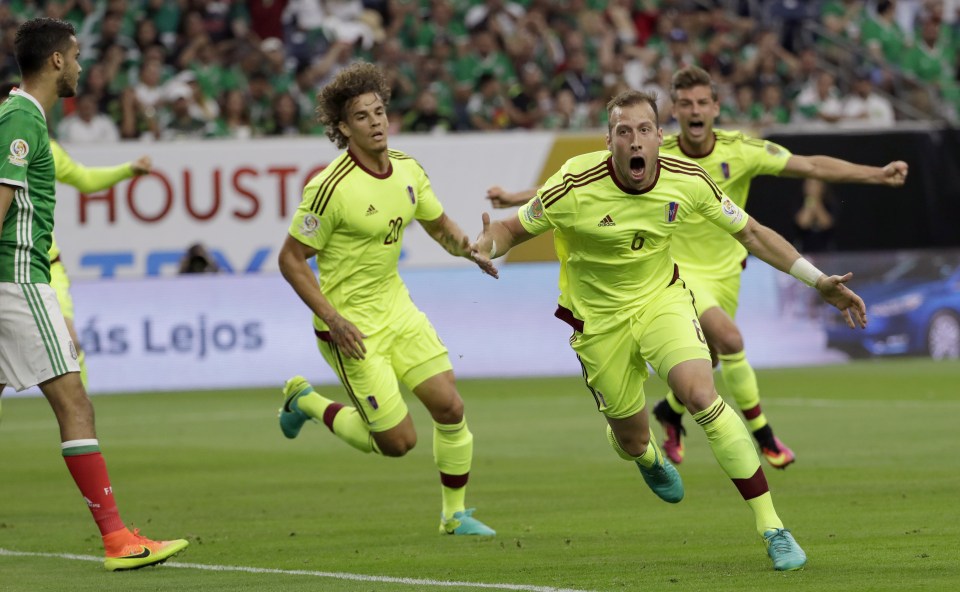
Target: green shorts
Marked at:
711, 292
408, 351
614, 363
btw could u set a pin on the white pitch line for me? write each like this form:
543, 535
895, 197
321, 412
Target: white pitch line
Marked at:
899, 403
315, 574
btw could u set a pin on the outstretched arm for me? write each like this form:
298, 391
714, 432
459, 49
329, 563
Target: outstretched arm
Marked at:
446, 232
773, 249
495, 239
835, 170
293, 265
501, 198
93, 179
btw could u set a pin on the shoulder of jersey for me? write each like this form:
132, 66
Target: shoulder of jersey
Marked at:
673, 163
579, 171
321, 188
671, 141
729, 137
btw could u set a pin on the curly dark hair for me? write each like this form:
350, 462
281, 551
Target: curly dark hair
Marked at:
350, 83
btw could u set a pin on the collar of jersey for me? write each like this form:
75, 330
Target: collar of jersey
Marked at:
31, 98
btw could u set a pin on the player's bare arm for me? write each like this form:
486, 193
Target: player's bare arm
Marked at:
495, 239
835, 170
295, 269
501, 198
446, 232
773, 249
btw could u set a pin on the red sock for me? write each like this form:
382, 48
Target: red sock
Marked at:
89, 471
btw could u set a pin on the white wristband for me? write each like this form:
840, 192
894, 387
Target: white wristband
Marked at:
806, 272
493, 248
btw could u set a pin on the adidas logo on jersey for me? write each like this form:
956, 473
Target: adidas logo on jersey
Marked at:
607, 221
371, 210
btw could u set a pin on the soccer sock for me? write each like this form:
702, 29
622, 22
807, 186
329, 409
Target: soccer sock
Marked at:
651, 456
82, 360
345, 422
89, 471
675, 403
453, 453
731, 446
741, 381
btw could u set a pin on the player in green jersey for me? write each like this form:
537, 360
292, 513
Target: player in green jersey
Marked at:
711, 262
87, 180
35, 346
613, 214
352, 219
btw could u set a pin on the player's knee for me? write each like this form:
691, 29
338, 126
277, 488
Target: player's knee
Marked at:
698, 398
728, 342
634, 444
397, 446
450, 411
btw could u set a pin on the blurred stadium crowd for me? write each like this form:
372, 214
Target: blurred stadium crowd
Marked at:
168, 69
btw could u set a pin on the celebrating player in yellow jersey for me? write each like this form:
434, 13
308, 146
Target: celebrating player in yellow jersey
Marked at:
613, 214
711, 262
352, 219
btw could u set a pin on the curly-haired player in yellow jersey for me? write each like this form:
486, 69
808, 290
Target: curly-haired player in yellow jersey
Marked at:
613, 214
352, 219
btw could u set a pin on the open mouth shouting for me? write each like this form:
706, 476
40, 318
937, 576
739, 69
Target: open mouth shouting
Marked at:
638, 166
696, 127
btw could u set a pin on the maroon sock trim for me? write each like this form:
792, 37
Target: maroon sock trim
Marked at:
753, 412
754, 486
330, 413
454, 481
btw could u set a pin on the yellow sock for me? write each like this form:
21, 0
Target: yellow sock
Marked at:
651, 456
675, 403
741, 381
733, 449
453, 453
82, 360
345, 422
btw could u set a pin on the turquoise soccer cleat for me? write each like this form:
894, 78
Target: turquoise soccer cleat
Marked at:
664, 480
784, 550
464, 523
291, 418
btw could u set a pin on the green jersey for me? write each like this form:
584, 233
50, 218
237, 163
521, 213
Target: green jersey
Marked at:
614, 242
735, 160
29, 170
355, 219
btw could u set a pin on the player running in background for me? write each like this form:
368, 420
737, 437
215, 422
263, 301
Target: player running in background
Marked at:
710, 261
35, 346
86, 180
613, 214
352, 219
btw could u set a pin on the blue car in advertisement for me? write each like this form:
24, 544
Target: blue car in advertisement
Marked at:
913, 307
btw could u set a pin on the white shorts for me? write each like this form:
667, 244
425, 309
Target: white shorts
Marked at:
35, 345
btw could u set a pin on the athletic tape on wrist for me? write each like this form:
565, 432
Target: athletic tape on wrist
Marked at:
806, 272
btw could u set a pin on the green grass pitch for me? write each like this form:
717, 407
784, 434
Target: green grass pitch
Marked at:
874, 497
